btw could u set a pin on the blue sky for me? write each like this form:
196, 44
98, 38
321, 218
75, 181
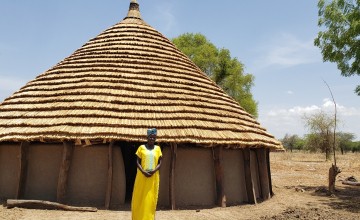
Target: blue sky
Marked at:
273, 39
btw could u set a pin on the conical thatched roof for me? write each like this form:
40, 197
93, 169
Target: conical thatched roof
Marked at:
125, 80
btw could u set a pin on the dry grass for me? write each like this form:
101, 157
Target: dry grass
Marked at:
311, 168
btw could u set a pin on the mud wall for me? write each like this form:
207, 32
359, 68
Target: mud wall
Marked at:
88, 176
194, 177
87, 183
234, 177
43, 171
87, 180
8, 170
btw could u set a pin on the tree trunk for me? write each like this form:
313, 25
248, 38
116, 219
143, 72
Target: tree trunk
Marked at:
327, 153
333, 172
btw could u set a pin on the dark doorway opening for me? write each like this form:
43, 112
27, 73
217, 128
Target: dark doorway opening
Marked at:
128, 150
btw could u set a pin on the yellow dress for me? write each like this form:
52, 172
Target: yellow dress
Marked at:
146, 189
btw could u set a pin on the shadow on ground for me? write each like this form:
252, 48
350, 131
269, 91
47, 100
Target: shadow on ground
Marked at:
345, 198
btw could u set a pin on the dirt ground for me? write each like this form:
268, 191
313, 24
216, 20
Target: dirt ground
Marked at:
299, 183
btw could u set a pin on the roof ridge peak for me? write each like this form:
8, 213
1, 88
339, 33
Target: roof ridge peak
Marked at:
134, 10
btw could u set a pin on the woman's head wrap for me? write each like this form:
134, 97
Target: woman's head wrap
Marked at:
151, 131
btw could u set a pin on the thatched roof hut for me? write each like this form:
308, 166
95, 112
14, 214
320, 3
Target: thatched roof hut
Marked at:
106, 94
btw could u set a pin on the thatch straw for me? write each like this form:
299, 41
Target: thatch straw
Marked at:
125, 80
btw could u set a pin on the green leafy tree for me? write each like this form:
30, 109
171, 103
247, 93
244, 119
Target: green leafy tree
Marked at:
199, 50
355, 146
292, 142
227, 72
340, 41
313, 142
344, 140
321, 136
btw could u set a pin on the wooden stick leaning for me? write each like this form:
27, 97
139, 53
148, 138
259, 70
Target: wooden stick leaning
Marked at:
346, 182
40, 204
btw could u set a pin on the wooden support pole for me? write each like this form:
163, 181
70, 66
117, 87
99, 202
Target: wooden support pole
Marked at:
23, 167
250, 191
263, 173
219, 177
269, 170
172, 176
110, 176
67, 155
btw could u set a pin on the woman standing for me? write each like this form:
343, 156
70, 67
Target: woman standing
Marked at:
146, 187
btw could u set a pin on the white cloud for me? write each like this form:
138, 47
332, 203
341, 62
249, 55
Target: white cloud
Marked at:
280, 121
329, 106
287, 51
290, 92
294, 111
328, 103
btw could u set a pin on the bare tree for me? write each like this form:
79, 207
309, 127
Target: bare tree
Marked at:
334, 170
320, 125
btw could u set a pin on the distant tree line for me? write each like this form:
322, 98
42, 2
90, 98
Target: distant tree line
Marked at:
310, 142
321, 136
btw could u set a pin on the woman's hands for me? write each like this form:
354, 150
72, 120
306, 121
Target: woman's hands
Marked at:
148, 173
151, 172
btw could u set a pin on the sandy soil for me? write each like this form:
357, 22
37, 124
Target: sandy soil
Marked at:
299, 184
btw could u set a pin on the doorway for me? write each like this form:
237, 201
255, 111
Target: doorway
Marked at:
128, 150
